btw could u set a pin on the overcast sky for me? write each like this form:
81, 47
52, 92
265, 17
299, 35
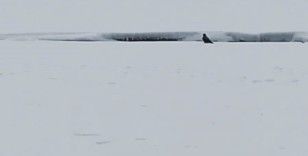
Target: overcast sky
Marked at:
152, 15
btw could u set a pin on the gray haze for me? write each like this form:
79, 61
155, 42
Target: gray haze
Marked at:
152, 15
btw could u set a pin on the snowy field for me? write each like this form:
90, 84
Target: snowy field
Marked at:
153, 99
185, 98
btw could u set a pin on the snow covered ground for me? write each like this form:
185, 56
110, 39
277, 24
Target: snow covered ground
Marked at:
153, 99
180, 98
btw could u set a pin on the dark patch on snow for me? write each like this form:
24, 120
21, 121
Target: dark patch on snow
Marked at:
86, 134
144, 106
149, 37
111, 83
141, 139
294, 81
270, 80
103, 142
277, 37
241, 37
257, 81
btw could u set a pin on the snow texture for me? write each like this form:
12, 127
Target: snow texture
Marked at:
109, 98
149, 99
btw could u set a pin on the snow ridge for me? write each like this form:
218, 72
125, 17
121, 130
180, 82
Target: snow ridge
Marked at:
163, 36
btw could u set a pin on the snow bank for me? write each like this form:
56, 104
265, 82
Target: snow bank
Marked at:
163, 36
262, 37
55, 36
160, 36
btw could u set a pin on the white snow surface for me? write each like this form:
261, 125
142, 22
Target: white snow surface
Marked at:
153, 99
179, 98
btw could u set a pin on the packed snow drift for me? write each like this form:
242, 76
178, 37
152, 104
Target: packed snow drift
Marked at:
163, 36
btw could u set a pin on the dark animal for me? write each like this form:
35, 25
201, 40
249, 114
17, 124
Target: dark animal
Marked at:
206, 39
